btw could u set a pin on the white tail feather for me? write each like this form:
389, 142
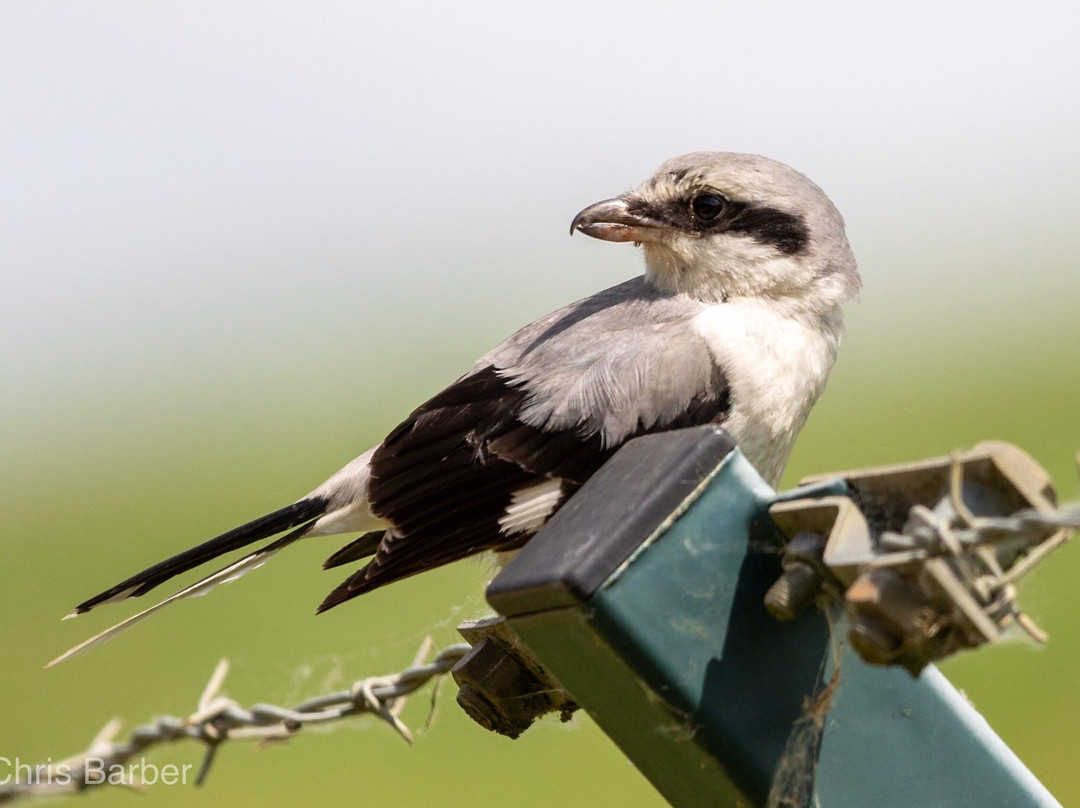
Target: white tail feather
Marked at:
223, 576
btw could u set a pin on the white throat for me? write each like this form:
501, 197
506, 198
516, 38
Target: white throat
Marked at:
776, 364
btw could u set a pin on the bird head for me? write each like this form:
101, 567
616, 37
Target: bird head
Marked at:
718, 225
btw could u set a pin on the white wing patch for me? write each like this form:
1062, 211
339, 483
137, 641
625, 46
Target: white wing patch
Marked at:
531, 507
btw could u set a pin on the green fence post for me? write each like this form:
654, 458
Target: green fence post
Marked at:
643, 598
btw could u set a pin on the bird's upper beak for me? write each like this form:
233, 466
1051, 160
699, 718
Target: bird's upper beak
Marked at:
613, 220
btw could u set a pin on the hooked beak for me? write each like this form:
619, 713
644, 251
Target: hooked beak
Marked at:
612, 220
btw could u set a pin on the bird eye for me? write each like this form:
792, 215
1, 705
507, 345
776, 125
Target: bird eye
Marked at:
708, 206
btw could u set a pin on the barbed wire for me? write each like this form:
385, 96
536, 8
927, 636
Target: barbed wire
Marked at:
959, 533
946, 580
928, 534
218, 719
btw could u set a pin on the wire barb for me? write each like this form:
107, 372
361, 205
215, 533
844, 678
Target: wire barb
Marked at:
218, 719
948, 580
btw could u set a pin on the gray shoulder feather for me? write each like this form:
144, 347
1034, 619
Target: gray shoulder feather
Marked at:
623, 359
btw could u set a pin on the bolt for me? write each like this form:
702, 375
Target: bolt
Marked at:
793, 591
873, 641
484, 712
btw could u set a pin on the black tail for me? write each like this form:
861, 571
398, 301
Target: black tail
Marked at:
265, 526
358, 548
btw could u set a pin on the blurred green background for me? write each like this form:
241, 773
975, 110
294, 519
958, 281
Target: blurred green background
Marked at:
236, 248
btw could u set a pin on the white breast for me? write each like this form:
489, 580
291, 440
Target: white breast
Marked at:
776, 365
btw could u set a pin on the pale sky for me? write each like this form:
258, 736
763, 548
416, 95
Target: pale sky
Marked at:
184, 181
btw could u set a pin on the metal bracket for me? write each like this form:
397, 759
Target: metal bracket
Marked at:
501, 684
919, 553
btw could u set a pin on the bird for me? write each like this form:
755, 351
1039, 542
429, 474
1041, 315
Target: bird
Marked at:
736, 321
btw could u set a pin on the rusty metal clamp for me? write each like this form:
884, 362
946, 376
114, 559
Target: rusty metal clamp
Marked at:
924, 556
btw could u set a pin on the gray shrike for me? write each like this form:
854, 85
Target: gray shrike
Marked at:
736, 321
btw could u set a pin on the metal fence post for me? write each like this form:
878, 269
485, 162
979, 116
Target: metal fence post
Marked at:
644, 596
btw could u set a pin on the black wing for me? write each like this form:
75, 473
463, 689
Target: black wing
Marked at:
447, 474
